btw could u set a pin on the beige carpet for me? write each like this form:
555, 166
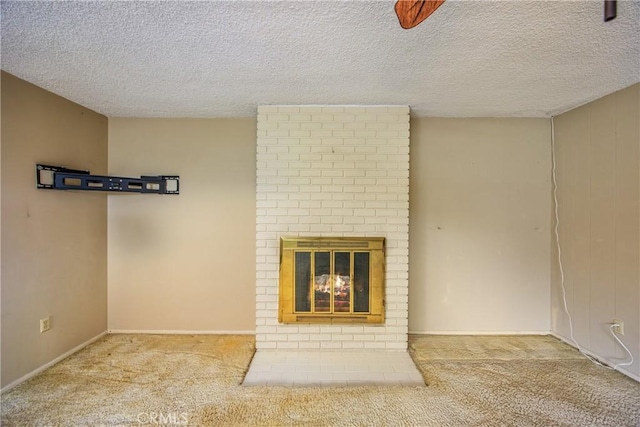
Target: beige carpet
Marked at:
195, 380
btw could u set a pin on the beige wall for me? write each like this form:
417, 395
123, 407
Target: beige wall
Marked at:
598, 156
53, 242
184, 262
479, 225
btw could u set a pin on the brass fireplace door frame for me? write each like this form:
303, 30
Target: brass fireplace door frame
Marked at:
375, 246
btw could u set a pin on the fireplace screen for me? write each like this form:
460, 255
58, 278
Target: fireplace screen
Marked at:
335, 280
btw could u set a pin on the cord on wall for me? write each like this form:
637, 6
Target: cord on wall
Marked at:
561, 267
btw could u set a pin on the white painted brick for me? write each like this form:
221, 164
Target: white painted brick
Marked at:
323, 180
322, 117
265, 345
299, 228
277, 149
308, 345
385, 337
287, 220
331, 157
310, 126
289, 108
367, 133
354, 188
320, 228
313, 157
375, 204
298, 337
332, 142
363, 212
367, 117
300, 133
367, 165
277, 133
364, 337
320, 133
310, 220
344, 165
297, 212
353, 329
333, 126
380, 127
320, 337
353, 204
342, 213
342, 149
287, 345
398, 345
321, 149
355, 125
300, 117
266, 298
357, 139
352, 345
403, 322
375, 345
320, 196
355, 169
356, 172
353, 220
331, 345
330, 220
308, 329
282, 125
356, 157
288, 204
342, 197
290, 156
310, 204
299, 165
310, 109
332, 109
298, 196
266, 330
342, 337
345, 117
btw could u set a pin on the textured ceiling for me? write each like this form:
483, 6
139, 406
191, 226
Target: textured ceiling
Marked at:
221, 59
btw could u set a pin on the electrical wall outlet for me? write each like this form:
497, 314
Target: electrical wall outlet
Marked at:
45, 324
618, 326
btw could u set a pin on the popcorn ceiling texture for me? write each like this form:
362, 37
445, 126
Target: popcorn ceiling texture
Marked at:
332, 171
222, 59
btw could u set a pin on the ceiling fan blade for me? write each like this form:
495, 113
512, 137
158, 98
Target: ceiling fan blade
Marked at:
412, 12
610, 10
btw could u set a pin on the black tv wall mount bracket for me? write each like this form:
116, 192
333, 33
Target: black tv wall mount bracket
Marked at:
61, 178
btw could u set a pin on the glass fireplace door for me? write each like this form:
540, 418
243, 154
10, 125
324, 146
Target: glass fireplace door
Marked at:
331, 280
339, 283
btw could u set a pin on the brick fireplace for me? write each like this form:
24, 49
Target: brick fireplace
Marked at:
332, 171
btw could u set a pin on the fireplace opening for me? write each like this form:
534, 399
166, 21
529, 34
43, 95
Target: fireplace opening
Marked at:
336, 280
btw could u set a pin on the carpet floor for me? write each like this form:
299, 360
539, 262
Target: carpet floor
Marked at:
195, 380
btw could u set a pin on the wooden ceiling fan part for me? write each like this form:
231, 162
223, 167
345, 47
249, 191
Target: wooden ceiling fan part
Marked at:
610, 10
412, 12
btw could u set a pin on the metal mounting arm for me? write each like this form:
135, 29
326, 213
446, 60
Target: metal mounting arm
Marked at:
61, 178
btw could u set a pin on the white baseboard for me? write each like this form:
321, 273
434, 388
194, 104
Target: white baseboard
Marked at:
178, 332
51, 363
478, 333
599, 358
